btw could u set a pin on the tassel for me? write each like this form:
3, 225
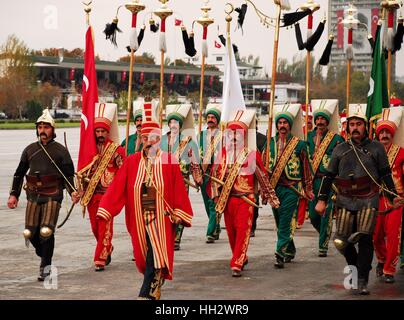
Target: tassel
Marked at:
398, 38
205, 48
133, 43
141, 35
299, 38
162, 42
378, 28
223, 41
162, 36
389, 40
192, 45
154, 27
325, 57
27, 243
110, 31
241, 15
349, 52
312, 41
292, 18
188, 43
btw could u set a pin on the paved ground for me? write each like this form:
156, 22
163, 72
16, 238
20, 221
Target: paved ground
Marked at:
201, 270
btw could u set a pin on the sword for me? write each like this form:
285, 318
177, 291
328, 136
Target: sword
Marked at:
67, 216
252, 203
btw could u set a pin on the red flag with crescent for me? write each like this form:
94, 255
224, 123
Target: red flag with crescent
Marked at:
88, 149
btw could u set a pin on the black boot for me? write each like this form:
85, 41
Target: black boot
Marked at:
363, 287
379, 269
280, 264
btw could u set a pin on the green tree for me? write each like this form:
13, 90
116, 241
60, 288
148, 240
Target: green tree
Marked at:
17, 79
33, 110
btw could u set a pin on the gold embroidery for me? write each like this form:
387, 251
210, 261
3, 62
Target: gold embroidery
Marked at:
242, 184
318, 155
326, 160
294, 165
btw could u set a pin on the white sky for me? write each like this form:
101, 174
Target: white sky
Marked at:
61, 23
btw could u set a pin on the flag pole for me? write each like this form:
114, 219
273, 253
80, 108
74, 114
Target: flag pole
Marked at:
204, 21
273, 80
134, 7
163, 13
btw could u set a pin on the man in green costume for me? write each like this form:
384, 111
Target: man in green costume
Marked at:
290, 174
210, 144
322, 141
134, 140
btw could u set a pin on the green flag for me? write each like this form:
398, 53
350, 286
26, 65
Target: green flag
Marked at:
377, 95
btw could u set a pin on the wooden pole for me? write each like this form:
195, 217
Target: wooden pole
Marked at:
273, 80
308, 62
129, 111
161, 88
201, 94
348, 83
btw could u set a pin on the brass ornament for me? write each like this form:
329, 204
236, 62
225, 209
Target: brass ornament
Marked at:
46, 232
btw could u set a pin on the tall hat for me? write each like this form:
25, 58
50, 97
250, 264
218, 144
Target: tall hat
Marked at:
392, 120
326, 108
106, 116
137, 108
46, 118
183, 114
357, 110
150, 121
292, 112
214, 109
245, 120
342, 117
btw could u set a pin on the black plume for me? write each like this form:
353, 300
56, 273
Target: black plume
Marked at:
299, 38
241, 14
110, 31
223, 41
154, 27
398, 37
291, 18
141, 35
312, 41
189, 43
325, 57
371, 42
378, 28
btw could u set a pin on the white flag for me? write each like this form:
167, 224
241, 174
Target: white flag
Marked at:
233, 99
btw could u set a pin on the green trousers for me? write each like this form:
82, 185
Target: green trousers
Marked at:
214, 222
323, 224
285, 218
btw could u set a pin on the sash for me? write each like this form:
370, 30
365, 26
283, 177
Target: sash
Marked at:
181, 147
318, 156
228, 184
209, 153
283, 160
392, 154
106, 157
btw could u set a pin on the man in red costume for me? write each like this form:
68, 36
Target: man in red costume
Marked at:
151, 187
100, 175
239, 167
386, 237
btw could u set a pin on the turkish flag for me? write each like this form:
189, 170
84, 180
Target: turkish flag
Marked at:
217, 45
171, 78
178, 22
375, 19
141, 78
87, 149
71, 76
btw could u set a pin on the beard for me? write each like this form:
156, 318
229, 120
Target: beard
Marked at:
100, 140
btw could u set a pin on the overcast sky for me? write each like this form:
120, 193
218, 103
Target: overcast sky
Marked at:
61, 23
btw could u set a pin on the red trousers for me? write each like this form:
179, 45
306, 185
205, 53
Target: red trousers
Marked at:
238, 217
386, 237
102, 230
301, 213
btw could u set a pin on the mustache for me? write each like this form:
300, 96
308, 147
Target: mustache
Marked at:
138, 126
385, 138
100, 139
355, 131
43, 134
210, 122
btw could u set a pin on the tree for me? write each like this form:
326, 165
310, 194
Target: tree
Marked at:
48, 95
18, 76
145, 58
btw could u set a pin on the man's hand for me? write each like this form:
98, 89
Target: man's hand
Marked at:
177, 220
320, 207
75, 197
310, 195
398, 202
215, 199
12, 202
